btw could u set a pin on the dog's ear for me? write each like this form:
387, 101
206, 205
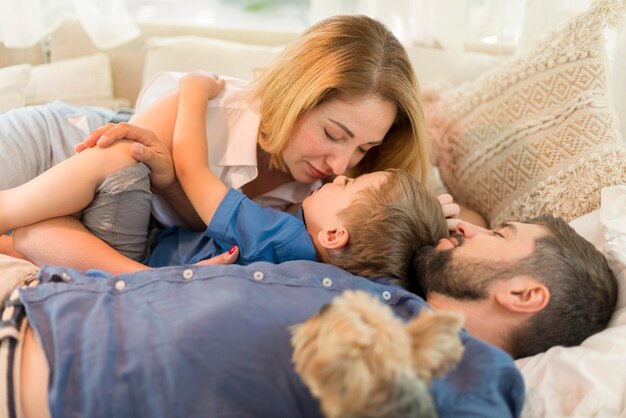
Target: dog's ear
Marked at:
304, 342
435, 342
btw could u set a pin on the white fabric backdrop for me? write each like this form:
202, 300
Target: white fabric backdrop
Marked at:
23, 23
493, 26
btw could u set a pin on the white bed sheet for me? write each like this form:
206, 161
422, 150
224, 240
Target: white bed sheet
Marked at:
588, 380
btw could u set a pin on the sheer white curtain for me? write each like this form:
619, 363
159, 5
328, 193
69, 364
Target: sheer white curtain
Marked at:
491, 26
446, 24
23, 23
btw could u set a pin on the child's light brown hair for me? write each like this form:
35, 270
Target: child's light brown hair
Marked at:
387, 224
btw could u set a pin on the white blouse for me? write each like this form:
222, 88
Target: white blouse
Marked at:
232, 124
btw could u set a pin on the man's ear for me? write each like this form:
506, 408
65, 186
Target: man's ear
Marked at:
523, 294
333, 239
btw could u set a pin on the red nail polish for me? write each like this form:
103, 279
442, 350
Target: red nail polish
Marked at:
232, 249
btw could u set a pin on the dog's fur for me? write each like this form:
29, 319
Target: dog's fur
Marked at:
360, 360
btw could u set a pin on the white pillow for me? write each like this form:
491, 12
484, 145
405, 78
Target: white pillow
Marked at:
433, 66
13, 81
187, 53
80, 81
588, 380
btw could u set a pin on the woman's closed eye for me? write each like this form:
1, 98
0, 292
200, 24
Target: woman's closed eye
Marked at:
330, 137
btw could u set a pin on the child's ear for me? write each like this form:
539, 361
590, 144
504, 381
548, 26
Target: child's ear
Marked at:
333, 239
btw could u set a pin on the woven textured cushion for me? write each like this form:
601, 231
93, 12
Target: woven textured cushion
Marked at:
535, 134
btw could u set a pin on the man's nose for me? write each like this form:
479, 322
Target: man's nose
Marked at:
468, 230
339, 163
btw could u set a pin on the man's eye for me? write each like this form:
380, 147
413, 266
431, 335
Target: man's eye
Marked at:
498, 234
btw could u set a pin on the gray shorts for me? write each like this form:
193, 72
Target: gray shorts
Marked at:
120, 211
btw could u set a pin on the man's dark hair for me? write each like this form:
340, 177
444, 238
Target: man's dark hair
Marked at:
583, 290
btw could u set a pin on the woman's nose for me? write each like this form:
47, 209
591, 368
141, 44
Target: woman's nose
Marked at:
468, 230
340, 180
339, 163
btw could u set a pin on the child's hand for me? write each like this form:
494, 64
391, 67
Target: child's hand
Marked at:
203, 82
450, 210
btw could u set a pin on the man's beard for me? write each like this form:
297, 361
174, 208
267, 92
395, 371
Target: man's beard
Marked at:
439, 272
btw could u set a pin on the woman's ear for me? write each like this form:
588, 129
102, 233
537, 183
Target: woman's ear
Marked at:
523, 294
333, 239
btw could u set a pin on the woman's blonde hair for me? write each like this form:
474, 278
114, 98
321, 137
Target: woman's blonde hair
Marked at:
387, 225
345, 57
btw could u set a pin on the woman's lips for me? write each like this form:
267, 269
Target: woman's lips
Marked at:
316, 173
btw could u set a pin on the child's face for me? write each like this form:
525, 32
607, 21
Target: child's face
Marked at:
322, 206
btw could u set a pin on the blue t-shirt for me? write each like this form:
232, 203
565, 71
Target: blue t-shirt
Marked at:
262, 234
214, 341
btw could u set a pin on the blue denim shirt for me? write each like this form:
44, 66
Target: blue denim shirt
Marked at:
262, 234
213, 341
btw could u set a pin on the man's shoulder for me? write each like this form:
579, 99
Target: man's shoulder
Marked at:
485, 383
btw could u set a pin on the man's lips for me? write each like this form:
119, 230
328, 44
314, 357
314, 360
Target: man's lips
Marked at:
445, 244
449, 243
457, 239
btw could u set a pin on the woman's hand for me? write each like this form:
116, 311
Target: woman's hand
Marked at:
450, 210
226, 258
147, 148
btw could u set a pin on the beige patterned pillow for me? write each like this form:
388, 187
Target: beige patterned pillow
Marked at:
536, 134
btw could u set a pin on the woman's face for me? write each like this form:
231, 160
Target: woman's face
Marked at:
335, 136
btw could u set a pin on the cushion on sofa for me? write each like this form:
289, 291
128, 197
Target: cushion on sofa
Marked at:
13, 81
187, 53
85, 80
537, 133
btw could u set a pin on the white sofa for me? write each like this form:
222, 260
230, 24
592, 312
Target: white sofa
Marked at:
166, 47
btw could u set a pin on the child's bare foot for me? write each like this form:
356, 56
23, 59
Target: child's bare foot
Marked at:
6, 247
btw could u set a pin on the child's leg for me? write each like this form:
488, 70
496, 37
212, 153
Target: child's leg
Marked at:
64, 189
73, 246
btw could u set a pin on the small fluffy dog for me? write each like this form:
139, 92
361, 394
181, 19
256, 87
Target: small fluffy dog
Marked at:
360, 360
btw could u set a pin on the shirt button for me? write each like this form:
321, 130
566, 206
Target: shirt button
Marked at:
386, 295
66, 277
187, 274
258, 276
326, 282
120, 284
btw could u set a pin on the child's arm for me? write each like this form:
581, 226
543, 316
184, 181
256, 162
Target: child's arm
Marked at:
190, 150
155, 152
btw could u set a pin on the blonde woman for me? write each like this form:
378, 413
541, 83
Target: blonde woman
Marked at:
315, 113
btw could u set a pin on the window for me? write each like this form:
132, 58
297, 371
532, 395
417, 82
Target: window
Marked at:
259, 14
488, 25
